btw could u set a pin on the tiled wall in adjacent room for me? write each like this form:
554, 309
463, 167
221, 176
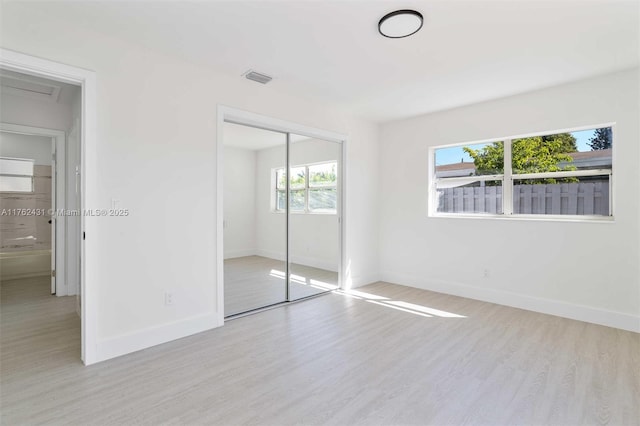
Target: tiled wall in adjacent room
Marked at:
27, 232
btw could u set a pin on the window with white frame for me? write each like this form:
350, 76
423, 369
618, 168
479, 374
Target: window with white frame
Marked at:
312, 188
557, 174
16, 174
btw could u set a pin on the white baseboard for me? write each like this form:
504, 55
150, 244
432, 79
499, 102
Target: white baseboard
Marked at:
232, 254
131, 342
546, 306
363, 280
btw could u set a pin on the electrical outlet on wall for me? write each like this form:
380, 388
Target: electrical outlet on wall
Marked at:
169, 299
485, 273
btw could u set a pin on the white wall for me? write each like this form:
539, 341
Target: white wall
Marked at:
37, 148
156, 133
271, 228
587, 271
239, 202
17, 109
315, 238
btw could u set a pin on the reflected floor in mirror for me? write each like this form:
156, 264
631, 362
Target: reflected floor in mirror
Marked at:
252, 282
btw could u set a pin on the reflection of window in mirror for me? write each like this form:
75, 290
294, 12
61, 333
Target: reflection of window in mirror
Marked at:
313, 188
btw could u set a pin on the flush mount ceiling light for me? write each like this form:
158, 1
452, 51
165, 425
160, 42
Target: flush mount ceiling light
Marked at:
401, 23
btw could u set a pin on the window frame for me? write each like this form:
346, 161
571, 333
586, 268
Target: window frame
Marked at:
31, 176
508, 178
275, 190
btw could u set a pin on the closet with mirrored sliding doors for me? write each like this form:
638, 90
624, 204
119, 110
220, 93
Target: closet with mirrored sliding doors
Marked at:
282, 208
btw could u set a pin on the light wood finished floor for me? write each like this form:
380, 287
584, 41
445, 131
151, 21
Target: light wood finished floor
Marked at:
253, 282
335, 360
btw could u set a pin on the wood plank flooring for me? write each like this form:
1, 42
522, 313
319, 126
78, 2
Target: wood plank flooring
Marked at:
388, 355
253, 282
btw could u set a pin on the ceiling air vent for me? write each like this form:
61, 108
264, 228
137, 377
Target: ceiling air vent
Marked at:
256, 76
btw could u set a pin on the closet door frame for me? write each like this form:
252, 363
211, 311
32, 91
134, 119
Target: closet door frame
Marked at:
246, 118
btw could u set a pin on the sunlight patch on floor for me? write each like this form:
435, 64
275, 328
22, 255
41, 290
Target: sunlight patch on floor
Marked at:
399, 309
424, 309
412, 308
399, 305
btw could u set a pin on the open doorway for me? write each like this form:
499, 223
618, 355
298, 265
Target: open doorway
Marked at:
40, 246
86, 132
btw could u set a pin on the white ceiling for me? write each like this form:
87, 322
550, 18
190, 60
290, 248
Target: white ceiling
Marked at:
467, 51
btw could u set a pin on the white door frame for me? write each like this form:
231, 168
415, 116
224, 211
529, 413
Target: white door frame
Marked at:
59, 224
26, 64
226, 113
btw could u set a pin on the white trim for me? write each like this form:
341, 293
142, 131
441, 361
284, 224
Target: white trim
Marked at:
507, 183
470, 179
275, 124
612, 187
238, 116
72, 187
219, 284
527, 217
19, 62
345, 282
141, 339
305, 213
473, 178
563, 174
432, 204
531, 303
287, 218
58, 201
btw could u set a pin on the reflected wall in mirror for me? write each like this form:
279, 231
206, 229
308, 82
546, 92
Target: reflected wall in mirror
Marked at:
255, 243
314, 227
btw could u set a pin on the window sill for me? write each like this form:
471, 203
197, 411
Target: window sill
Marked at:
306, 213
528, 218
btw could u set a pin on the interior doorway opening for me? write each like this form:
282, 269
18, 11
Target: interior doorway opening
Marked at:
40, 193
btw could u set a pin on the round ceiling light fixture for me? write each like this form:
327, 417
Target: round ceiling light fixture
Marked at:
401, 23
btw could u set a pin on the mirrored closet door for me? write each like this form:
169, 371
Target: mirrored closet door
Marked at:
255, 235
282, 203
314, 228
